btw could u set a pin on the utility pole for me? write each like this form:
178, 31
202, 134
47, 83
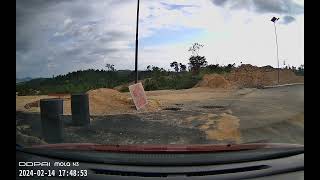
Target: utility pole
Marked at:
137, 37
274, 20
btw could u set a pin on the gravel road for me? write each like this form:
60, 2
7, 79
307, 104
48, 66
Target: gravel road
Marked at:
244, 115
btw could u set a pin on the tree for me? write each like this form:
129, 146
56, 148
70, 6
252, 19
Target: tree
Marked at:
148, 68
183, 67
196, 62
213, 66
110, 67
155, 69
230, 66
157, 72
300, 70
175, 65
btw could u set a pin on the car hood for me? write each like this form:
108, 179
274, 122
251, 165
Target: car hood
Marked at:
192, 148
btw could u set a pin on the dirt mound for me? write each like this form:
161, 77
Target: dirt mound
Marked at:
286, 76
214, 81
101, 101
250, 76
109, 101
32, 104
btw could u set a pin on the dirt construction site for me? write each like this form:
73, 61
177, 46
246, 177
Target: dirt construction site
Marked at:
232, 108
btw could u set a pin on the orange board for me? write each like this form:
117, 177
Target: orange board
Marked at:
138, 95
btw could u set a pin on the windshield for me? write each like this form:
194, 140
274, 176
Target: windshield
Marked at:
159, 72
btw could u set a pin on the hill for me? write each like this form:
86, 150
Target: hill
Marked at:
159, 79
20, 80
77, 81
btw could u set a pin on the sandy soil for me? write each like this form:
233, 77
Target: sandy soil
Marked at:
101, 102
108, 101
210, 113
248, 76
21, 101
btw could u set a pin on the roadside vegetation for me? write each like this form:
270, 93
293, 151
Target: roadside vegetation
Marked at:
182, 76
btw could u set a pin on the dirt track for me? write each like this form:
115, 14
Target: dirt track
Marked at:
194, 116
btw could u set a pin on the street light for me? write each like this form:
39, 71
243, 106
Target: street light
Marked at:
274, 20
137, 36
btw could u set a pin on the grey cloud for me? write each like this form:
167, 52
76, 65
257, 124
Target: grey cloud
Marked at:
103, 51
46, 46
263, 6
278, 6
72, 52
287, 19
22, 45
80, 11
30, 8
219, 2
175, 6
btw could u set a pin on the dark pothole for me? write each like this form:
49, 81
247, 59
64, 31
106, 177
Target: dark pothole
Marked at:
172, 108
213, 107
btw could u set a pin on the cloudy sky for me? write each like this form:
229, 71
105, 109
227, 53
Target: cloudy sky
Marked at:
58, 36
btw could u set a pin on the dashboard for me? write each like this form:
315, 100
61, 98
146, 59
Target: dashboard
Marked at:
262, 164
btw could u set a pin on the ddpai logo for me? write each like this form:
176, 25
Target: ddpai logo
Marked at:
34, 163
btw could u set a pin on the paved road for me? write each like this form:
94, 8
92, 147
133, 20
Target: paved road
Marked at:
274, 114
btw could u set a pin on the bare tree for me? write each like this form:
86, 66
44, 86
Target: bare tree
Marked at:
194, 49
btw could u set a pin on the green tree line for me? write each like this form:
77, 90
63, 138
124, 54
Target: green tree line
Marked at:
182, 76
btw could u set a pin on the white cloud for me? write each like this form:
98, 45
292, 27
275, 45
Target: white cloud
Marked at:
234, 36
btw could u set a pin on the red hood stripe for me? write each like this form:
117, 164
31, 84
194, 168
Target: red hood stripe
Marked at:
162, 148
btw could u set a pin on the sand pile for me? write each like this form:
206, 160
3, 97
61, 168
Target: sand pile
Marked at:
214, 81
101, 101
286, 76
250, 77
105, 101
110, 101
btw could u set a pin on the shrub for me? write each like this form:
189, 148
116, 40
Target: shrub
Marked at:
124, 89
151, 84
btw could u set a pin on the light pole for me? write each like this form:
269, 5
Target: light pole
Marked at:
137, 37
274, 20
